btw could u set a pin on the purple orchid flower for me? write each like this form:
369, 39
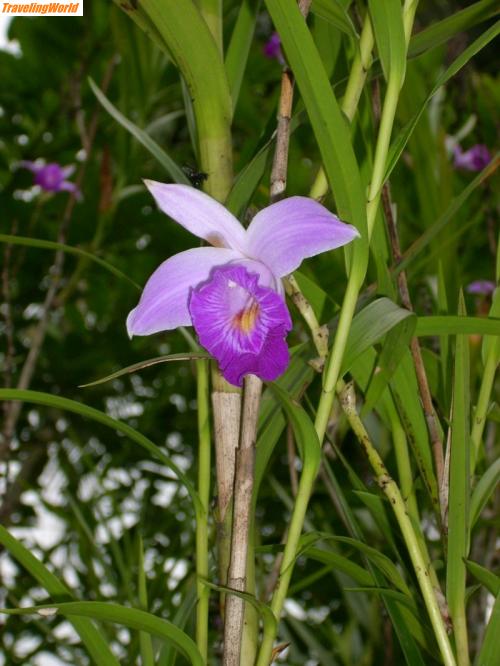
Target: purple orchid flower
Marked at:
52, 177
272, 49
482, 287
232, 292
474, 159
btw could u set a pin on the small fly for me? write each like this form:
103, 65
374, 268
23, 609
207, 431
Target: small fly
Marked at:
196, 177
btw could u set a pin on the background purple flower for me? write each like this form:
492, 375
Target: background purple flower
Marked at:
272, 48
474, 159
52, 177
242, 324
483, 287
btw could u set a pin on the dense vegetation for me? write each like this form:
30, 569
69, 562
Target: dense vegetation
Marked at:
105, 489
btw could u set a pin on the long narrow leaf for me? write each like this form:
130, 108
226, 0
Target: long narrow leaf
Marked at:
39, 398
93, 640
169, 358
402, 139
175, 172
459, 499
329, 125
51, 245
128, 617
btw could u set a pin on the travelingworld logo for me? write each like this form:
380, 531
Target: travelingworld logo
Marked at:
61, 8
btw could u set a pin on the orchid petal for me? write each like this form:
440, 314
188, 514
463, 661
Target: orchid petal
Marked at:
164, 301
69, 170
68, 186
198, 213
32, 166
287, 232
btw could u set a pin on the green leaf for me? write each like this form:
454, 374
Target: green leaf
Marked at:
452, 325
186, 356
94, 641
128, 617
175, 172
183, 614
263, 609
248, 179
459, 484
381, 561
440, 32
491, 346
340, 563
449, 215
303, 430
387, 21
489, 655
484, 489
329, 125
401, 140
370, 325
487, 578
335, 13
271, 419
375, 505
404, 387
396, 342
239, 46
50, 245
39, 398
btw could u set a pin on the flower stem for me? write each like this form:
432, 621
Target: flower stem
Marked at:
392, 492
242, 508
202, 549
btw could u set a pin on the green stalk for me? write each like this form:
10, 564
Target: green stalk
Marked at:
197, 56
334, 362
358, 270
391, 490
202, 609
483, 401
211, 10
306, 485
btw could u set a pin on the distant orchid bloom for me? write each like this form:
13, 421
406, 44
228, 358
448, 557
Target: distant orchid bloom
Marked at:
52, 177
272, 48
481, 287
232, 292
474, 159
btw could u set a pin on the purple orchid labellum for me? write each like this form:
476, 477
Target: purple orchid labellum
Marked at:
232, 293
482, 287
474, 159
242, 324
52, 177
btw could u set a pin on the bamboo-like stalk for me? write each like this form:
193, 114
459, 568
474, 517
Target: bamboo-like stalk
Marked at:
204, 446
392, 492
242, 507
226, 404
